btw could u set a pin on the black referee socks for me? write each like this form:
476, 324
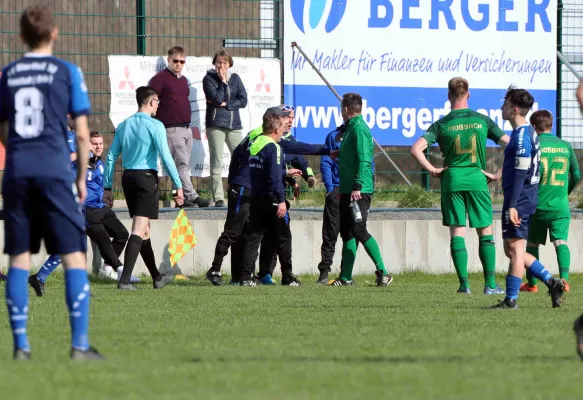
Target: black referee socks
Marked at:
131, 255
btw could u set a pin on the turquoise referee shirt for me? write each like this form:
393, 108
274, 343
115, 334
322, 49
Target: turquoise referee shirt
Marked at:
140, 139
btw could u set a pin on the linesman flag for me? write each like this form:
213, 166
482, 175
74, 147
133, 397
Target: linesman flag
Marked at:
182, 238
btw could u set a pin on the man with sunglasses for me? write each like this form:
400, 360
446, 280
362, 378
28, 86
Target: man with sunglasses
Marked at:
175, 112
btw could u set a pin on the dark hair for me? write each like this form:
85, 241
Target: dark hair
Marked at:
223, 53
175, 50
94, 134
36, 25
143, 93
542, 120
457, 87
353, 102
520, 98
271, 122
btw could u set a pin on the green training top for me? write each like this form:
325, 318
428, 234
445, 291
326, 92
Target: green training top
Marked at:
462, 135
559, 173
356, 151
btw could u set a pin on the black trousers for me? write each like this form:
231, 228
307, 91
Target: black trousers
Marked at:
102, 224
239, 200
330, 229
263, 221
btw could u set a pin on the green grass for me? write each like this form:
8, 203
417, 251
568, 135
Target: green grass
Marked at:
414, 340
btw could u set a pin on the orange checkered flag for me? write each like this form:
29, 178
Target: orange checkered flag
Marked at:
182, 238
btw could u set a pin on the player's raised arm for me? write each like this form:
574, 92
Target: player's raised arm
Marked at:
420, 146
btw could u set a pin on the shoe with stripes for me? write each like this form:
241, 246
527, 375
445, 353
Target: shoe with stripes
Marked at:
290, 281
340, 282
248, 283
214, 277
383, 280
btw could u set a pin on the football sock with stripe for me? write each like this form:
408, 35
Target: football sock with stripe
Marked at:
564, 260
539, 271
17, 303
532, 250
459, 255
487, 252
77, 297
51, 264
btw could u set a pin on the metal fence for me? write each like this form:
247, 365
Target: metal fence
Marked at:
92, 29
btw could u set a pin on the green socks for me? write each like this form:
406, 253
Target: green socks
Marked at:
459, 254
487, 252
372, 249
348, 257
564, 260
533, 251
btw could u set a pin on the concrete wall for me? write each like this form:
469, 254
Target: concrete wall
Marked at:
405, 246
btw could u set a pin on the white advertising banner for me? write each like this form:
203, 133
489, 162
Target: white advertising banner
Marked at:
261, 77
400, 54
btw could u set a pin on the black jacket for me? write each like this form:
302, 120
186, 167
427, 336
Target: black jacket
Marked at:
216, 92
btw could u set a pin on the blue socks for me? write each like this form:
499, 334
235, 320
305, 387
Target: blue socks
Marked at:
51, 264
77, 296
17, 302
539, 271
512, 286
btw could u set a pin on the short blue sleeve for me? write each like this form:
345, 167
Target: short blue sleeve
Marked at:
79, 98
523, 143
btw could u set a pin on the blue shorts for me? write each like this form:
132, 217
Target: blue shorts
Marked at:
42, 208
526, 208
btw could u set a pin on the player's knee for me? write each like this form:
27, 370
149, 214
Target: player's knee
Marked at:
76, 260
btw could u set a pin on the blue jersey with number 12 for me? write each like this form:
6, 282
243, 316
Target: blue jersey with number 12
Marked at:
36, 93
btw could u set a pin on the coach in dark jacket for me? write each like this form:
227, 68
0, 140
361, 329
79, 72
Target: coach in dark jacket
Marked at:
225, 96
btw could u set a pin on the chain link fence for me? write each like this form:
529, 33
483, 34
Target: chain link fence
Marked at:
93, 29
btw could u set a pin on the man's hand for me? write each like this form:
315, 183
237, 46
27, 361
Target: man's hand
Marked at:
222, 72
81, 189
296, 191
108, 197
493, 177
223, 104
437, 172
293, 172
281, 210
178, 195
334, 154
514, 218
355, 195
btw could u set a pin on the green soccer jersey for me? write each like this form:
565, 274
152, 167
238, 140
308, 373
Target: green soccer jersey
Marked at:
356, 152
559, 173
462, 135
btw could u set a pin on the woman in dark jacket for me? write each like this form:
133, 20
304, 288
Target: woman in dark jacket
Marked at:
225, 95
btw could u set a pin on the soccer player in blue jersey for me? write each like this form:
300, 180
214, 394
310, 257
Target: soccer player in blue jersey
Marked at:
520, 177
36, 93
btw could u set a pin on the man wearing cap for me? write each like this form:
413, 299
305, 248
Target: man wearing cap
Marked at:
239, 199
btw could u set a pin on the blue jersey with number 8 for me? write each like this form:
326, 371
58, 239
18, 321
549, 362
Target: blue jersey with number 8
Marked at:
36, 93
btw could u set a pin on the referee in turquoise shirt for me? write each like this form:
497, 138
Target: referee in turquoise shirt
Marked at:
140, 139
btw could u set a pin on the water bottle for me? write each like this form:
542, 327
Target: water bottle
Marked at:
356, 214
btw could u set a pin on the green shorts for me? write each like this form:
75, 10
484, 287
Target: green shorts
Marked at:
477, 205
556, 222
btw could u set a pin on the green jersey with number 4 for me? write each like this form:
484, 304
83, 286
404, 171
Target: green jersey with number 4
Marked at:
559, 173
462, 136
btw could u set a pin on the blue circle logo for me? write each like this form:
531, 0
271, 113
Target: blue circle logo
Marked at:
316, 12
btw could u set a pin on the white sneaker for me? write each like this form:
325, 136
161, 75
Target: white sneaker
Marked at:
107, 272
133, 279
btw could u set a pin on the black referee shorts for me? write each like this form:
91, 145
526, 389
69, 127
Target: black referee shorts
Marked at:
140, 188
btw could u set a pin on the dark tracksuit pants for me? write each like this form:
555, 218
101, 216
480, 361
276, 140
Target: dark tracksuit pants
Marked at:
263, 222
102, 224
330, 229
233, 236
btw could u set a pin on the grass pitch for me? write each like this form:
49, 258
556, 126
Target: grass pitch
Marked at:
417, 339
